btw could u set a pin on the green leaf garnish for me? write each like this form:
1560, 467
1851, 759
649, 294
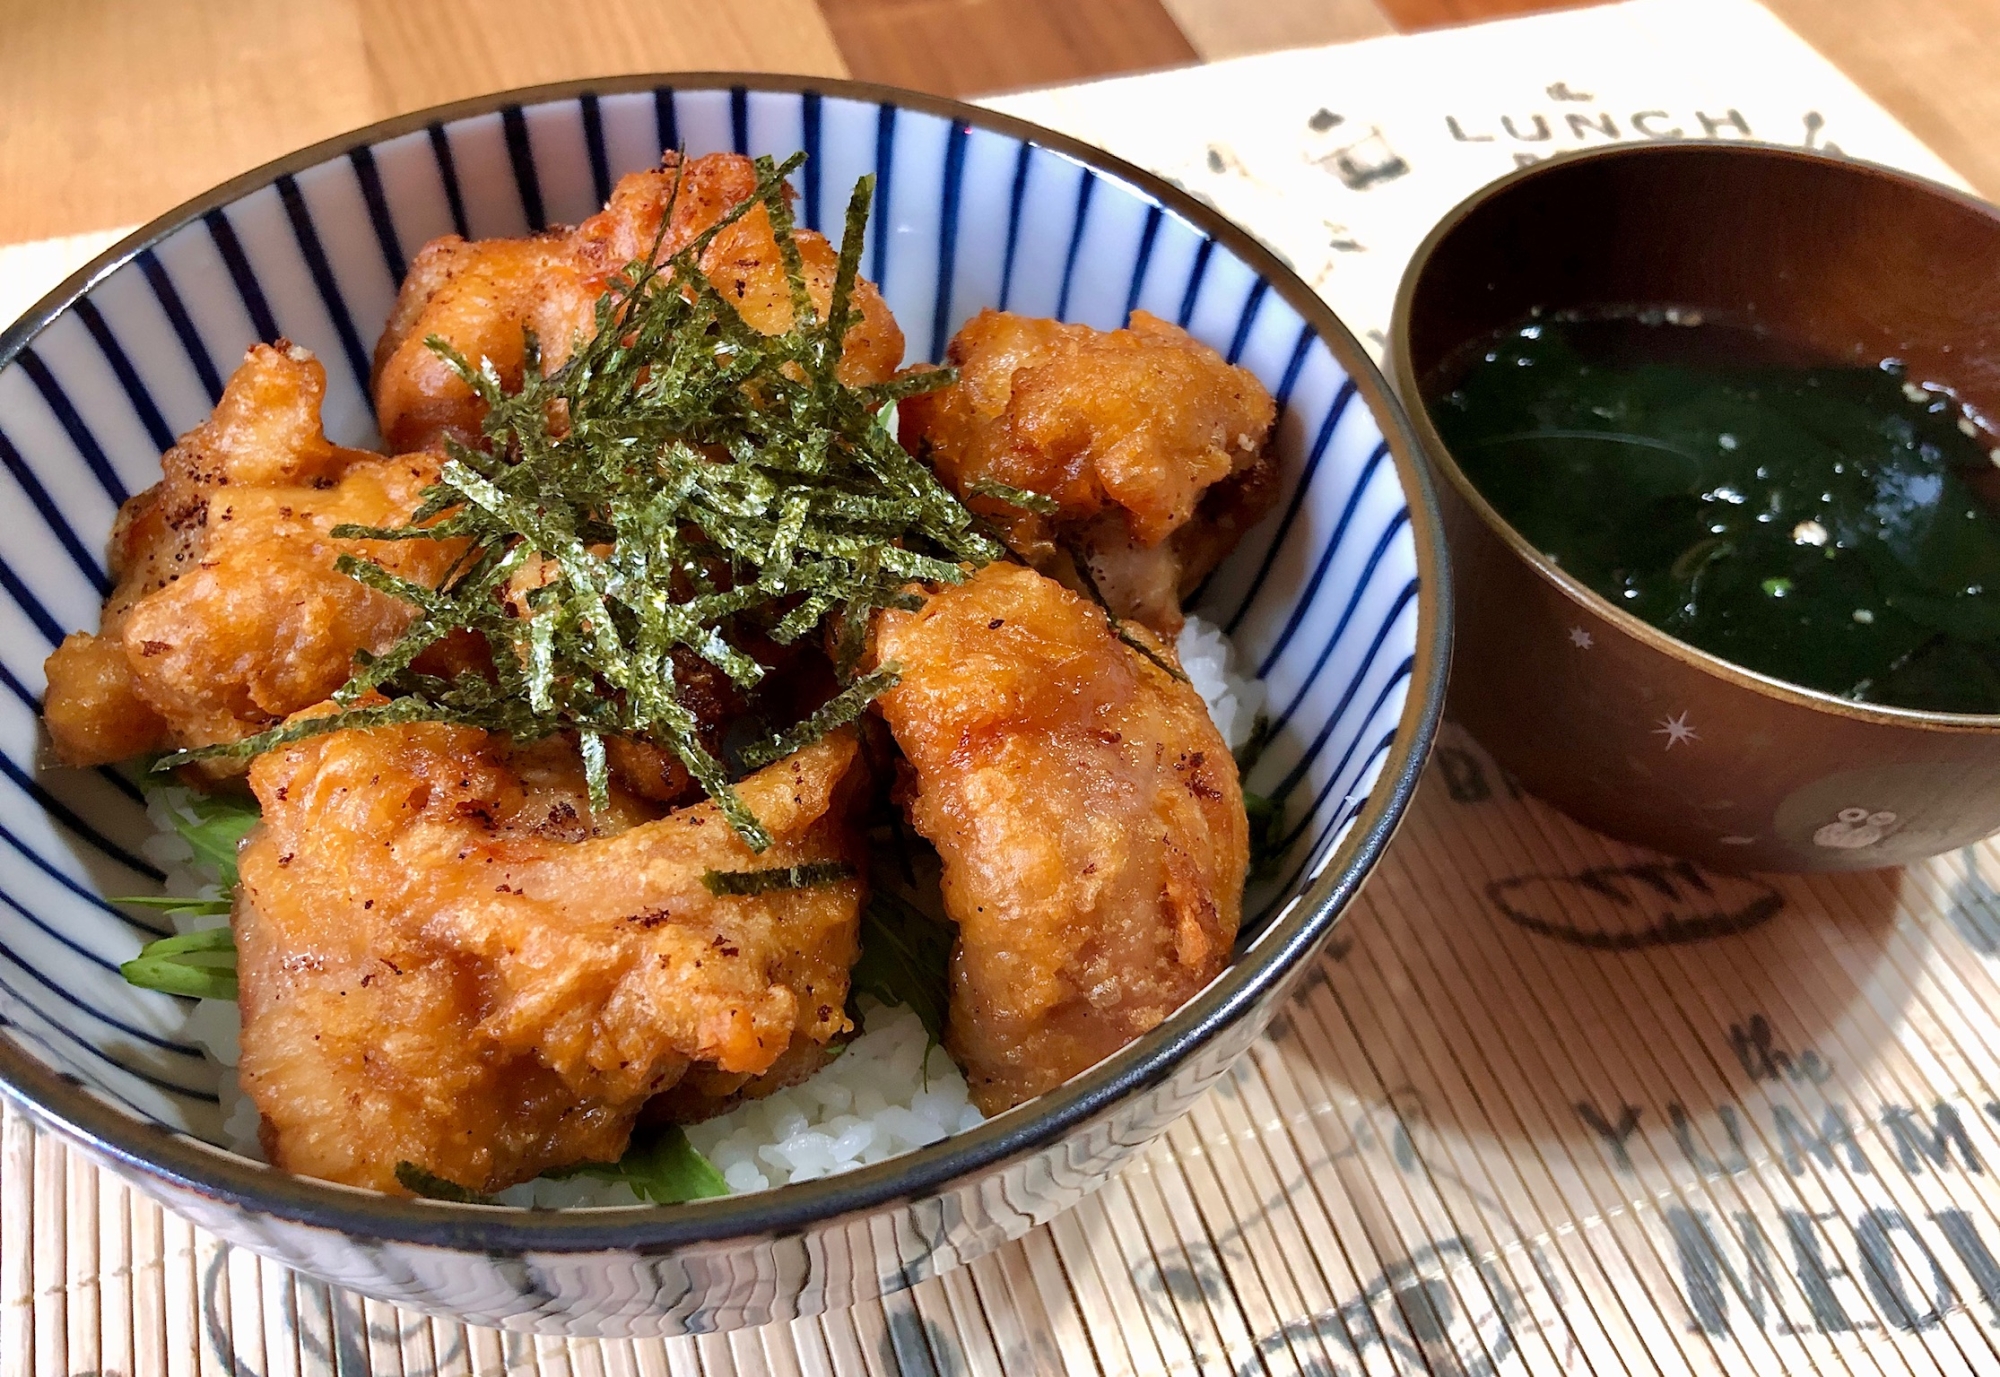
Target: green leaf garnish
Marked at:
905, 959
664, 1169
222, 825
726, 883
173, 903
1267, 834
199, 965
418, 1181
217, 829
1015, 497
1252, 749
680, 485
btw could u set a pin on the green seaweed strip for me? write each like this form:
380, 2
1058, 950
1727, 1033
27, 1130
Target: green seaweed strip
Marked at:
853, 232
1165, 667
418, 1181
1117, 623
742, 883
788, 249
833, 714
1015, 497
681, 485
385, 715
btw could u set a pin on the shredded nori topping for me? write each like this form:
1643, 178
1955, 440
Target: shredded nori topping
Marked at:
428, 1184
1015, 497
1133, 641
809, 875
680, 482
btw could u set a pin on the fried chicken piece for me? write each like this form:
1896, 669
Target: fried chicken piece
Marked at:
1125, 430
94, 713
440, 965
1089, 819
704, 1093
228, 614
479, 295
654, 772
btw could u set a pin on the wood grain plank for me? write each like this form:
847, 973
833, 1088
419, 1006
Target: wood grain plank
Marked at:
1412, 15
112, 111
1229, 28
440, 50
978, 47
1933, 64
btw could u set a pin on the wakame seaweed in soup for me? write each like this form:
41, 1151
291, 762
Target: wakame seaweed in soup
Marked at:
1826, 524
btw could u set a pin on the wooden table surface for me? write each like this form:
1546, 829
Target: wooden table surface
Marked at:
114, 110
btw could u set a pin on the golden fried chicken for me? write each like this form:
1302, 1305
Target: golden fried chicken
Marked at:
1089, 819
229, 614
1128, 431
440, 963
479, 295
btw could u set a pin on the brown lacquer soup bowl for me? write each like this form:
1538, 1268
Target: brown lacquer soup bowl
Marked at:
1337, 601
1627, 729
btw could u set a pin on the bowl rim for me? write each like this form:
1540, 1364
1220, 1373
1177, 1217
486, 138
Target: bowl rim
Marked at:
1402, 371
152, 1153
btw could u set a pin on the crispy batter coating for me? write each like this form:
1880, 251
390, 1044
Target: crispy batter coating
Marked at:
229, 614
1088, 815
439, 965
1125, 429
479, 295
92, 707
705, 1092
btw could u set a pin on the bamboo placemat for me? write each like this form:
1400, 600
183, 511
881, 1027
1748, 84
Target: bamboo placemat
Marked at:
1548, 1104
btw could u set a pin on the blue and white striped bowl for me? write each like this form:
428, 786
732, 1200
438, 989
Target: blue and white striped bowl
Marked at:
1337, 600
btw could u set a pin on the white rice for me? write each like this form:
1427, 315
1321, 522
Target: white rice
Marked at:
884, 1095
1234, 699
214, 1025
890, 1091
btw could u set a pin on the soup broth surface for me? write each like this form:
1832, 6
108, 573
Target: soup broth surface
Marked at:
1828, 524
